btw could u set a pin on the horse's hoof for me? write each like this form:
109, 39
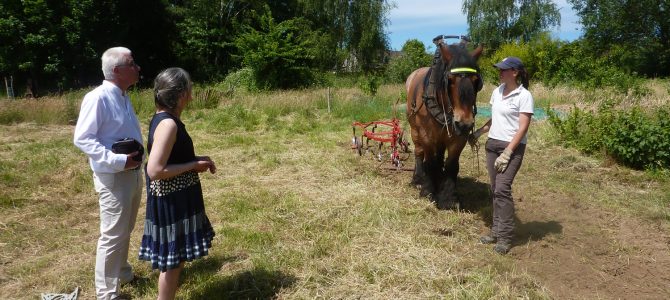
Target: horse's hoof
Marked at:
425, 192
445, 205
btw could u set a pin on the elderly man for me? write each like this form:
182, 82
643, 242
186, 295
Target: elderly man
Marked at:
107, 116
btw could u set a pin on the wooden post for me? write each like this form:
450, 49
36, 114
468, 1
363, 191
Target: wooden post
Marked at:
11, 87
328, 99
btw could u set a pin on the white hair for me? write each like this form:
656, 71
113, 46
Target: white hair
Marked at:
111, 58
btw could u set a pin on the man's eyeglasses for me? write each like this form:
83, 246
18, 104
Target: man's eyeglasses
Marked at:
132, 65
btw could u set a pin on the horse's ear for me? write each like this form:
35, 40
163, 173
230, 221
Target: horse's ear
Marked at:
444, 52
477, 52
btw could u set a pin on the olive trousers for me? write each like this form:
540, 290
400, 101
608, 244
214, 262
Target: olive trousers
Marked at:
501, 188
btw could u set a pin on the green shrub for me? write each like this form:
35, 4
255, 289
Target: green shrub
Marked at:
369, 84
280, 55
242, 79
639, 139
555, 62
633, 138
521, 51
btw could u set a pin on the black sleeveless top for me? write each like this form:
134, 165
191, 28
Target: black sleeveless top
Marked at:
182, 150
176, 227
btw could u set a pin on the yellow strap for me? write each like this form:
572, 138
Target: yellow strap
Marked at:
463, 70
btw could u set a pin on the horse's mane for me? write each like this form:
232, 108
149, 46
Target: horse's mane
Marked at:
460, 58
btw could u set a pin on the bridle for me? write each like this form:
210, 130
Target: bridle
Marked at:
445, 115
463, 72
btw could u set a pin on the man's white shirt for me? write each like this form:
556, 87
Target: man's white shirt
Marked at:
106, 116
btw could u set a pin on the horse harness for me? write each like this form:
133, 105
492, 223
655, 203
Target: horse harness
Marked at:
443, 115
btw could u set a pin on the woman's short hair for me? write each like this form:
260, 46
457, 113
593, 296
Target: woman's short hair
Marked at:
169, 86
112, 58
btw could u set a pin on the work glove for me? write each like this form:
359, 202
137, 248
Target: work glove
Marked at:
503, 160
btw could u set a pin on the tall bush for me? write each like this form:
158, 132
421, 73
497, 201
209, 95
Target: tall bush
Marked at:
520, 50
640, 139
634, 138
280, 55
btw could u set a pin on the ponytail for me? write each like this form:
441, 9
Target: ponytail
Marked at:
523, 78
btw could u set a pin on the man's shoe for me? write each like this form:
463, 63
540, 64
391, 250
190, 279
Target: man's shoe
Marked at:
502, 248
487, 239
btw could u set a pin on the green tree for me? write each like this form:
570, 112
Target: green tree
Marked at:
57, 44
330, 16
31, 36
207, 30
353, 31
11, 28
495, 22
280, 55
413, 56
367, 40
634, 35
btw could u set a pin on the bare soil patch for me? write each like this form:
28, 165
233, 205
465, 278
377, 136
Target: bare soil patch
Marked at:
574, 248
586, 252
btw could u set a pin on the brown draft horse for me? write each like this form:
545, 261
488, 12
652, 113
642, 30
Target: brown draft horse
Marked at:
456, 97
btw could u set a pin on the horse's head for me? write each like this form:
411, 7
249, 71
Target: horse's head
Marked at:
463, 82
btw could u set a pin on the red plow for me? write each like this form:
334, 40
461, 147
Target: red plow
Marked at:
381, 139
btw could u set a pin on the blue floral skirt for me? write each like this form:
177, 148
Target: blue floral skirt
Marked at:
176, 228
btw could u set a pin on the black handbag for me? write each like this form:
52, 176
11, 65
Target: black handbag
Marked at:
127, 146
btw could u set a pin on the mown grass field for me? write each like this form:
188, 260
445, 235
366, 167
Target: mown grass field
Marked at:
299, 215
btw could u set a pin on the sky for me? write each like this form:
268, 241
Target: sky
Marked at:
425, 19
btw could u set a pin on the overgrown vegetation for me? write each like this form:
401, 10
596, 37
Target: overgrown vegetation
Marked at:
633, 137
